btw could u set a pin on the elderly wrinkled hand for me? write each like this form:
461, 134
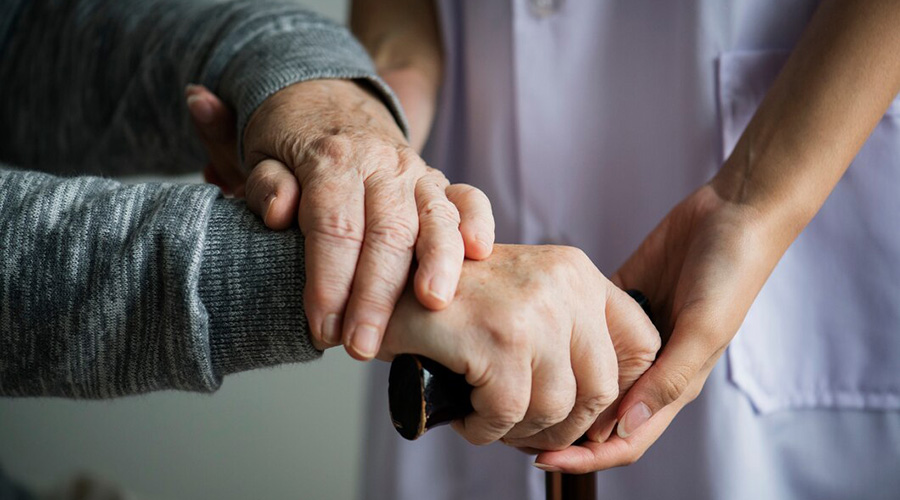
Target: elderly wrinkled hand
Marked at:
544, 338
330, 155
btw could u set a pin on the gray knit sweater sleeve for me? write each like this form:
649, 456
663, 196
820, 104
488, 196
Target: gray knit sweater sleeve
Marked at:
98, 85
109, 289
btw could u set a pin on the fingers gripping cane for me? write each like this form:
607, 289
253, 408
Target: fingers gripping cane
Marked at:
423, 394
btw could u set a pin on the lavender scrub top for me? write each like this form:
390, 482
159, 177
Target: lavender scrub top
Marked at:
585, 122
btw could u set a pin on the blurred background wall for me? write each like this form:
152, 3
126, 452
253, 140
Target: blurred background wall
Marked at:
288, 432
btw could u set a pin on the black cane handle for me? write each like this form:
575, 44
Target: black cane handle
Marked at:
423, 394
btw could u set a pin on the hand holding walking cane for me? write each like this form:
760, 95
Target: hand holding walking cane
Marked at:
424, 394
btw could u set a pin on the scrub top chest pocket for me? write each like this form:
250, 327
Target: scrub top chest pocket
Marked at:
825, 329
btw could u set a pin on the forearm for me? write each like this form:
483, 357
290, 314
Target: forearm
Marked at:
403, 38
832, 92
98, 84
109, 289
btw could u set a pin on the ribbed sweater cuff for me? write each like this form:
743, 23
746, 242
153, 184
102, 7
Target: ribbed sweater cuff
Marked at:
297, 51
251, 284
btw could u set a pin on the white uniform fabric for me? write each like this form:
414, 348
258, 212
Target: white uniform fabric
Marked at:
585, 121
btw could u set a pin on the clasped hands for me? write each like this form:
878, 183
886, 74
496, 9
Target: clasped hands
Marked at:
554, 349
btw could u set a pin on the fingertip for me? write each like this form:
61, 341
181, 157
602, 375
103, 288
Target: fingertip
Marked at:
318, 344
476, 219
479, 246
331, 329
435, 292
603, 428
633, 418
362, 342
278, 211
314, 318
200, 108
192, 89
575, 459
546, 467
273, 194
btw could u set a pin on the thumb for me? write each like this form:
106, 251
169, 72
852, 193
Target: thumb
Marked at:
215, 125
213, 119
273, 193
671, 377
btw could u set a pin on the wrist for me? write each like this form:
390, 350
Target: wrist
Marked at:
417, 92
759, 215
250, 286
314, 109
762, 176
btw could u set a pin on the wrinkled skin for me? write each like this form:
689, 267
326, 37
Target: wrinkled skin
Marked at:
329, 154
545, 339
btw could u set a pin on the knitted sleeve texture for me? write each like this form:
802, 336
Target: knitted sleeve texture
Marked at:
108, 288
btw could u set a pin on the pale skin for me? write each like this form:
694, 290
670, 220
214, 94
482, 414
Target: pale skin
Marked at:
537, 330
704, 264
544, 338
329, 155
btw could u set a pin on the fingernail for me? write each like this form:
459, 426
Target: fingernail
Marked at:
439, 288
548, 468
365, 340
634, 418
331, 329
191, 88
200, 109
269, 202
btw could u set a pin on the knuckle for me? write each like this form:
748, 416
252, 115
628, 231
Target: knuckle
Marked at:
476, 196
513, 338
336, 147
550, 416
436, 175
502, 420
574, 255
380, 162
484, 436
386, 152
377, 298
396, 233
408, 157
439, 251
672, 386
439, 211
567, 263
491, 428
596, 403
263, 175
649, 345
609, 392
508, 410
337, 227
326, 293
